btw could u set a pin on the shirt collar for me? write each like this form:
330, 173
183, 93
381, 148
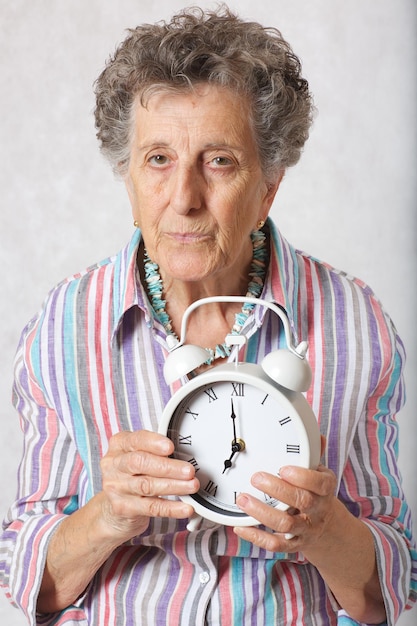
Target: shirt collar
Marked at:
127, 289
281, 284
282, 281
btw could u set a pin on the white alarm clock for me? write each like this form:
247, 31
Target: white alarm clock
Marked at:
236, 419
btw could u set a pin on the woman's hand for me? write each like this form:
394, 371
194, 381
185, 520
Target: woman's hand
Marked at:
136, 472
317, 524
310, 497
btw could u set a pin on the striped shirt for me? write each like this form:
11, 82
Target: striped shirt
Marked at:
90, 365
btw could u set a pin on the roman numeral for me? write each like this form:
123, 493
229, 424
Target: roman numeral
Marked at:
189, 412
269, 500
285, 420
211, 394
293, 449
238, 389
194, 462
211, 488
264, 400
184, 440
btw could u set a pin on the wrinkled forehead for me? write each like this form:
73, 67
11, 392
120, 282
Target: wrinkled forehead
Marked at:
210, 114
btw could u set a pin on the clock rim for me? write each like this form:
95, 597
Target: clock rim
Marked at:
253, 374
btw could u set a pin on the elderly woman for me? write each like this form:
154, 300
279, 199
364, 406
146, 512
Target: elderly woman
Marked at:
201, 117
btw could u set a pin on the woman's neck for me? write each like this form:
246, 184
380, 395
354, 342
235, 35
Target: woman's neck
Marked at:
208, 325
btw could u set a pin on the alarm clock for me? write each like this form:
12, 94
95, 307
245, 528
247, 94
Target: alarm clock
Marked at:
238, 418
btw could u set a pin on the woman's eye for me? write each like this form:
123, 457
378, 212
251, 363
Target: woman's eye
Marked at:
158, 159
221, 161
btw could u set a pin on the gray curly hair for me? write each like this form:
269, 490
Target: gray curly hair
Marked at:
215, 47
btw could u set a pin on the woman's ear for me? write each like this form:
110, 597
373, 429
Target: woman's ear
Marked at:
131, 195
271, 191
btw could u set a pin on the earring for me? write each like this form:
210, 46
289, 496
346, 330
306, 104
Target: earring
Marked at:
136, 224
260, 224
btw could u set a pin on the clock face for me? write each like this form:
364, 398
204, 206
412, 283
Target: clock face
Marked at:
229, 430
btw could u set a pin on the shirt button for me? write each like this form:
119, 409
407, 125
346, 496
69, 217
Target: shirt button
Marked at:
204, 578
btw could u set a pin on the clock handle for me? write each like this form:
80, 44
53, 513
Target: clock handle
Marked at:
288, 368
249, 300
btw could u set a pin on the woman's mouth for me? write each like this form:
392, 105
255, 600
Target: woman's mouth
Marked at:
188, 237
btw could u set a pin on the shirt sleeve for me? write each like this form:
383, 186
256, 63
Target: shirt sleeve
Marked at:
47, 488
372, 487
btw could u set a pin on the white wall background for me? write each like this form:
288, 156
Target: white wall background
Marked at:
350, 201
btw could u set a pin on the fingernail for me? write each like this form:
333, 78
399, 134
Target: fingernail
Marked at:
242, 500
257, 479
165, 446
285, 470
187, 471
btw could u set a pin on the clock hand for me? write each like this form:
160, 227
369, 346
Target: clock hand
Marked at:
233, 416
235, 446
238, 445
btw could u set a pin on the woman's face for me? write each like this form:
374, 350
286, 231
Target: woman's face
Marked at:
195, 182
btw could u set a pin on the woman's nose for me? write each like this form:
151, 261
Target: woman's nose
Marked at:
187, 186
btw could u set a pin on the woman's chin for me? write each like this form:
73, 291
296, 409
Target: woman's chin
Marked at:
190, 265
